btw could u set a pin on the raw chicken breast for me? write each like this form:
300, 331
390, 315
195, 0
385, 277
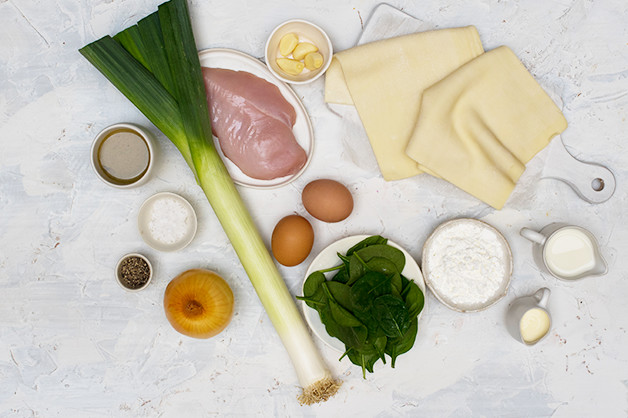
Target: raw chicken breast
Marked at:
253, 123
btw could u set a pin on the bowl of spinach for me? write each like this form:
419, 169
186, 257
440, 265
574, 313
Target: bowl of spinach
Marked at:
363, 296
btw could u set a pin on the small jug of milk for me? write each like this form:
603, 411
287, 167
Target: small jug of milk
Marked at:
528, 320
567, 252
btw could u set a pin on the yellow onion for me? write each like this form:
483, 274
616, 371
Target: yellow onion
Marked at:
198, 303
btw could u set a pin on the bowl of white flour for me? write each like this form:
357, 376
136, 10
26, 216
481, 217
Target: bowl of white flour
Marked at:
467, 264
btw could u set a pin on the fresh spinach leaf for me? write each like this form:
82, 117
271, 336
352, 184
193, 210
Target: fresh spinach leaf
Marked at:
382, 265
342, 316
313, 294
368, 288
342, 276
341, 293
345, 261
376, 346
365, 360
392, 315
343, 258
331, 326
380, 347
314, 301
386, 251
414, 299
352, 337
370, 321
395, 282
357, 268
372, 240
312, 283
387, 267
397, 346
404, 281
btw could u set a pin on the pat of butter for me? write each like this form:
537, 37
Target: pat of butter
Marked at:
534, 324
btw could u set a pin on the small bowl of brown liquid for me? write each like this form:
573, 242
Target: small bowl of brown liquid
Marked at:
122, 155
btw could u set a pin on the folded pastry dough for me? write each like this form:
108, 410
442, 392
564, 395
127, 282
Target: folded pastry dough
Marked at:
481, 124
385, 81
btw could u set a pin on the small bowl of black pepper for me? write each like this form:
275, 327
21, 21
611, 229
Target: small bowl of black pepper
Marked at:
134, 272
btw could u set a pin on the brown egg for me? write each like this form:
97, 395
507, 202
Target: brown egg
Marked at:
292, 240
327, 200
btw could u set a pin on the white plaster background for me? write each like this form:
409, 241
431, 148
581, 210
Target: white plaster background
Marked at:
72, 343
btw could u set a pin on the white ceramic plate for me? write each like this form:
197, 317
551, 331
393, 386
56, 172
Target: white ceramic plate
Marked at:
329, 258
239, 61
448, 300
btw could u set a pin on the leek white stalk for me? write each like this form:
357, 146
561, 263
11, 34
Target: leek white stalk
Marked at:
143, 62
312, 372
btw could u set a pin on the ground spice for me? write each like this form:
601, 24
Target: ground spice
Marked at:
134, 272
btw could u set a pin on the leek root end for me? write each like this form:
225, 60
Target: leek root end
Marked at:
319, 391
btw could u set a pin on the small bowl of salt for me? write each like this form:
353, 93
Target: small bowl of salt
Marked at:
167, 222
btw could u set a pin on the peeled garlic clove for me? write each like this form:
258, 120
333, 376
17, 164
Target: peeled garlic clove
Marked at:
290, 66
287, 44
313, 60
198, 303
302, 49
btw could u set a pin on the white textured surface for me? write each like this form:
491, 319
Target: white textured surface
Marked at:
72, 343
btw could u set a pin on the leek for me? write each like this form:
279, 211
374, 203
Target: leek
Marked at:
155, 64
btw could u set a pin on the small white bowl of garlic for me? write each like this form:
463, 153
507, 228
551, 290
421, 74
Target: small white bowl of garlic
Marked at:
298, 52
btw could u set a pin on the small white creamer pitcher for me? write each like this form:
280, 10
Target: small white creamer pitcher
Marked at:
567, 252
528, 319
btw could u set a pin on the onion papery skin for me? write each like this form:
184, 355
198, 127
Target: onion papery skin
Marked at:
198, 303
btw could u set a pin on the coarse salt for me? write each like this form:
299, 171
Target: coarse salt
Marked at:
169, 220
467, 263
